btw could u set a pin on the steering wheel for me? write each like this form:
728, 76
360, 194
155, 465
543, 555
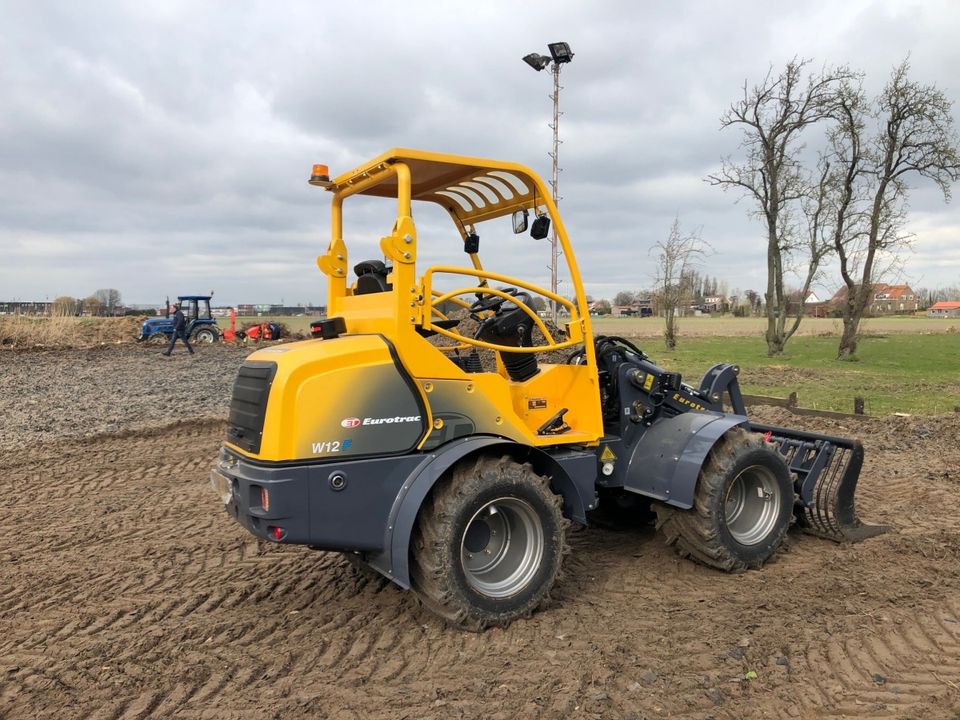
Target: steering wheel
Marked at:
485, 303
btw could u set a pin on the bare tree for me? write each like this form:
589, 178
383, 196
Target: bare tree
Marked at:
675, 277
92, 305
109, 299
914, 138
624, 297
64, 306
773, 116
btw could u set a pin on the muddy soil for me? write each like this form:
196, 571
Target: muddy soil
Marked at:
126, 592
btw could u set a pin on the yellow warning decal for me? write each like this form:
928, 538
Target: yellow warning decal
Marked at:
648, 382
607, 454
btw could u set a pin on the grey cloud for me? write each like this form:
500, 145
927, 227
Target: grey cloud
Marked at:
166, 144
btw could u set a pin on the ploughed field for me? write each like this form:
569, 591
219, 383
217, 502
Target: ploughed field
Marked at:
126, 592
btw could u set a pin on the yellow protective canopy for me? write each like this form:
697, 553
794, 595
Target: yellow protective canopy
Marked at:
471, 189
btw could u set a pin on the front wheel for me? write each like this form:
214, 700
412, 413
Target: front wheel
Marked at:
488, 544
742, 507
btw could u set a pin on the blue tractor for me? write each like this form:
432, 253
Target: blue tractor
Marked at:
201, 326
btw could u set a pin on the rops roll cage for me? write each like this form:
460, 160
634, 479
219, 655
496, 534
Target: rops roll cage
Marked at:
471, 190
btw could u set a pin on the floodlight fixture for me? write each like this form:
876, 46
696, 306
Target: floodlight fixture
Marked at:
560, 52
537, 61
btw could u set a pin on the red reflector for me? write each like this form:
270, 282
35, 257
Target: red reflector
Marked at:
276, 533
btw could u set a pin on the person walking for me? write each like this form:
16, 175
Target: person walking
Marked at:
179, 331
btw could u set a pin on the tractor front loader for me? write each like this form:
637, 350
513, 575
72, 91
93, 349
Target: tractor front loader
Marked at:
423, 432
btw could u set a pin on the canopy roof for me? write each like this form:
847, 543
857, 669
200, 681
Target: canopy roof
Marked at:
472, 189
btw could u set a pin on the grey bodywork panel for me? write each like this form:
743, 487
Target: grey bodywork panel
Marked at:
332, 506
666, 463
371, 505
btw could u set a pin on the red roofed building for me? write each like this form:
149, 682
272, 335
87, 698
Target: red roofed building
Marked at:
885, 299
944, 310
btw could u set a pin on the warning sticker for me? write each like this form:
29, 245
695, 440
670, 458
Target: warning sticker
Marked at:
607, 454
648, 382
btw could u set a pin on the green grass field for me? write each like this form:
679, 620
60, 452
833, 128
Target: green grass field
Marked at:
909, 373
908, 365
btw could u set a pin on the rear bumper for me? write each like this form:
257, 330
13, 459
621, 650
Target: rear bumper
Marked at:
331, 505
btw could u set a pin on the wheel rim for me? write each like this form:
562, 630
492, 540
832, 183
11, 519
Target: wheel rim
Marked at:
205, 336
502, 547
752, 505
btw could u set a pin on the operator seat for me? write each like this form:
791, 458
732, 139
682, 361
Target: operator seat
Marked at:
371, 277
511, 326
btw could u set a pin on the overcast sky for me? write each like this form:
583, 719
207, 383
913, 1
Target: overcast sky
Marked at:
162, 147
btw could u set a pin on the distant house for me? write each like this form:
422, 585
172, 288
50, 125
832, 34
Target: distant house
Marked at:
640, 308
885, 299
944, 310
713, 303
813, 306
598, 307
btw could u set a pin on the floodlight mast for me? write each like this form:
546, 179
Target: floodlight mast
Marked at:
560, 54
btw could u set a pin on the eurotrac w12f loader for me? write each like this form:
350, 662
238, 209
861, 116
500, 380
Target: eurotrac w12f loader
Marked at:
389, 438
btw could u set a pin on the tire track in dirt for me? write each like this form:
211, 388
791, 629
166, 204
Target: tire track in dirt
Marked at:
900, 667
114, 610
287, 582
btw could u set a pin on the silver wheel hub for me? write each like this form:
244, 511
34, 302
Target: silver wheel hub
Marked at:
752, 506
502, 547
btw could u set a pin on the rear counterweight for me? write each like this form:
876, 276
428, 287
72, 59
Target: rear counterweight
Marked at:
331, 506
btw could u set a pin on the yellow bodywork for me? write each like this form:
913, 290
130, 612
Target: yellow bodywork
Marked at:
321, 378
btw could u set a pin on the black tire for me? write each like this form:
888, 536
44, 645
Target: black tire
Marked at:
742, 507
158, 339
488, 544
205, 335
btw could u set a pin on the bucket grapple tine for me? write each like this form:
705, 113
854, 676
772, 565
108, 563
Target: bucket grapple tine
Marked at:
826, 469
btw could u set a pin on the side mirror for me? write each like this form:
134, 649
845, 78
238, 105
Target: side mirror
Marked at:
519, 222
541, 227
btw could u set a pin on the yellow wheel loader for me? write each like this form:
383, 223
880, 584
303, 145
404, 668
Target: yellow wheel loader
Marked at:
438, 430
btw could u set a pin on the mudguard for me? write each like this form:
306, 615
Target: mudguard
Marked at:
666, 461
571, 475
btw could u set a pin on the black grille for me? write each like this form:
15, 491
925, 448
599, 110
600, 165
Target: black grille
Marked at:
248, 406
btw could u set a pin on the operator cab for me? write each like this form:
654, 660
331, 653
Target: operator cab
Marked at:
195, 307
459, 325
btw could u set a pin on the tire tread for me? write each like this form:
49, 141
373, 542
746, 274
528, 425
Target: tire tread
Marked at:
695, 533
432, 573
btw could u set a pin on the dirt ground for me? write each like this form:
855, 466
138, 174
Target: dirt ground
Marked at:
126, 592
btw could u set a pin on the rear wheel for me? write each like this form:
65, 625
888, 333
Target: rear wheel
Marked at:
158, 339
488, 545
742, 507
205, 335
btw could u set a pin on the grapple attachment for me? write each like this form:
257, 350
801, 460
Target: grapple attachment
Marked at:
826, 469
